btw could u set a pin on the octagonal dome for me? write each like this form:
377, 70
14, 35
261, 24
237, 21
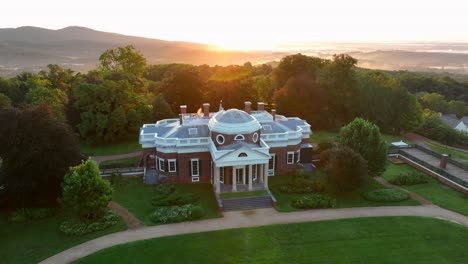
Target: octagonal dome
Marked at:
233, 121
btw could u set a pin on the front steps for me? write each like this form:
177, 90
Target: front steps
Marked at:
247, 203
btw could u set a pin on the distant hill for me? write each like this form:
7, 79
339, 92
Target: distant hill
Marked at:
79, 48
32, 48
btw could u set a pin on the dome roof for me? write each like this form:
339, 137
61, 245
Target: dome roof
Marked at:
233, 121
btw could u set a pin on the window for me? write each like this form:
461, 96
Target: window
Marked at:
271, 162
254, 172
239, 137
220, 139
161, 164
195, 167
243, 154
255, 137
267, 127
195, 179
221, 174
193, 131
298, 154
172, 165
290, 157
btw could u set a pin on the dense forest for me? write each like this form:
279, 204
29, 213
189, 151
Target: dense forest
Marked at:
111, 102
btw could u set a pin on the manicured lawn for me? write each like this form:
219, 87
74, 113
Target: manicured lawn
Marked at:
34, 241
319, 136
243, 194
435, 191
381, 240
136, 197
458, 155
127, 146
346, 200
120, 163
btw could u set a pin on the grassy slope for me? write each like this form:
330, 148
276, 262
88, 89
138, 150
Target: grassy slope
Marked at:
435, 191
116, 148
34, 241
365, 240
351, 199
461, 156
136, 197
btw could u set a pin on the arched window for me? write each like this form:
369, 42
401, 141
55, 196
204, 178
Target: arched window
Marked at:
239, 137
243, 154
220, 139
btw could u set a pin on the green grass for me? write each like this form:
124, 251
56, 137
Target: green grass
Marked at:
33, 241
319, 136
435, 191
345, 200
116, 148
120, 163
243, 194
383, 240
458, 155
136, 197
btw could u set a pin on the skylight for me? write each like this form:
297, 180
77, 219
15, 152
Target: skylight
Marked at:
267, 127
193, 131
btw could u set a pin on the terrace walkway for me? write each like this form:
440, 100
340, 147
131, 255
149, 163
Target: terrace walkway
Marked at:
434, 161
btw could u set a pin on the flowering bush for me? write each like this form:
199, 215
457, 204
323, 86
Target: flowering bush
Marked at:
79, 227
314, 200
173, 214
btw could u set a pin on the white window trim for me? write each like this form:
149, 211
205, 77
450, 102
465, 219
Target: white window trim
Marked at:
161, 164
196, 179
169, 161
221, 174
298, 156
255, 137
273, 157
239, 137
192, 161
191, 129
218, 137
292, 158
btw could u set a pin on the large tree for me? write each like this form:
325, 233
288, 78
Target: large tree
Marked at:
364, 137
5, 102
123, 60
37, 150
161, 109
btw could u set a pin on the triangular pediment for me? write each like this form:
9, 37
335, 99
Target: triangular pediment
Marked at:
242, 155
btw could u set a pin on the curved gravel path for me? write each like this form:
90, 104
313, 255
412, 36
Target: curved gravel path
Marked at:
99, 159
259, 217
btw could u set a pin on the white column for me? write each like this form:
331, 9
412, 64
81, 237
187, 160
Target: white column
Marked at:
216, 180
234, 179
260, 172
265, 176
250, 177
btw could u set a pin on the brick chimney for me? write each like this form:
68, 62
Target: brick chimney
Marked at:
273, 113
183, 111
206, 110
260, 106
443, 161
248, 107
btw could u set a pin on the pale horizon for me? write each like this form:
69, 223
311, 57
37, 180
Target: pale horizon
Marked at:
253, 25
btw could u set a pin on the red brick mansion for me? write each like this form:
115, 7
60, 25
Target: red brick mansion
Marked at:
233, 149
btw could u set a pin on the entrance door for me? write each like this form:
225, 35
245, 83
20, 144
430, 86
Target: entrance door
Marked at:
240, 174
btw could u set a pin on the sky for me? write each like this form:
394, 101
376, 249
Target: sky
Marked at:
252, 24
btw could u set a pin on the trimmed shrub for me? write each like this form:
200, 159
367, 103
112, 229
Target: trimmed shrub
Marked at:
79, 227
386, 195
174, 214
168, 194
303, 186
314, 200
411, 178
26, 214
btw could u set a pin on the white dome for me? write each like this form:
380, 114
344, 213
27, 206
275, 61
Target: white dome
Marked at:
233, 121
